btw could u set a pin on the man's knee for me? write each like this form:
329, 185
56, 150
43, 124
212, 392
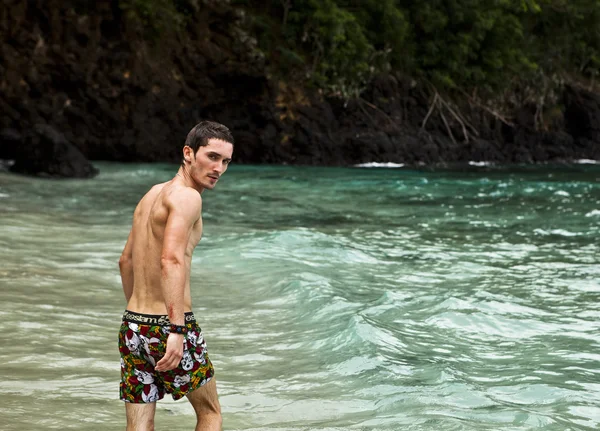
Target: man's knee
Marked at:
212, 407
209, 419
214, 415
144, 425
218, 420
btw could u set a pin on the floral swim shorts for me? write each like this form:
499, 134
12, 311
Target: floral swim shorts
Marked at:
142, 343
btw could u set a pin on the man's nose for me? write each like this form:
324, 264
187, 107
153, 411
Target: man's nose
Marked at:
219, 167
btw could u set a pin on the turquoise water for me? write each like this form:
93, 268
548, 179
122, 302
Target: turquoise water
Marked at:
331, 299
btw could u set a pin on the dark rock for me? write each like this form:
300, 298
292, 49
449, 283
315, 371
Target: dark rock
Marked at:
46, 152
412, 149
555, 146
367, 146
118, 97
9, 142
582, 113
588, 149
525, 116
481, 150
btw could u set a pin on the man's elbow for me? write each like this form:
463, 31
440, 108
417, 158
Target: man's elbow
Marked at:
170, 261
125, 261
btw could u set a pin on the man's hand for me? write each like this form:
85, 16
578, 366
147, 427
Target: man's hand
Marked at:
173, 354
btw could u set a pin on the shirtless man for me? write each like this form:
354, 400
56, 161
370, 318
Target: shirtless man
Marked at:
162, 347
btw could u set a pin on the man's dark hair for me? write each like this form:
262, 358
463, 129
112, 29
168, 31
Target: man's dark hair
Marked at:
205, 130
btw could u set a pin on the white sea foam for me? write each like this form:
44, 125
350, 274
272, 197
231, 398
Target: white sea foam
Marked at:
6, 163
560, 232
593, 213
587, 162
379, 165
480, 163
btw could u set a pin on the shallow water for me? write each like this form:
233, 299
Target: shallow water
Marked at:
331, 299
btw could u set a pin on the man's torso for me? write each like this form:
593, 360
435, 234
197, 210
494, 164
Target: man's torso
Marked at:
149, 222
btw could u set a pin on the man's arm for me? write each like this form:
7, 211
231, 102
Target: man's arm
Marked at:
184, 208
126, 267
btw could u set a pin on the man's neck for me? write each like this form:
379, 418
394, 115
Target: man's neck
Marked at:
183, 176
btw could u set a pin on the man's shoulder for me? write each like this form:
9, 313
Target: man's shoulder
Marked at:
179, 191
150, 197
180, 195
153, 192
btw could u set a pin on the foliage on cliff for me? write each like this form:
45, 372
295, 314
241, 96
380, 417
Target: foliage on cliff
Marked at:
467, 44
120, 79
480, 47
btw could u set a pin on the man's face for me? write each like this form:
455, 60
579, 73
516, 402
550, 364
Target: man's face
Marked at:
210, 162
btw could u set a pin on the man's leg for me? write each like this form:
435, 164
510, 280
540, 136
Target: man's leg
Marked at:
140, 417
206, 403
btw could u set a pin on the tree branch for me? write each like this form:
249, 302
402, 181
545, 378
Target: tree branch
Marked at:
433, 103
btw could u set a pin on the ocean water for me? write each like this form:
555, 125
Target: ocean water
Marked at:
330, 298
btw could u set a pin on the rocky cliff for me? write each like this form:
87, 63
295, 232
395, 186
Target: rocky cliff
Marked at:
81, 83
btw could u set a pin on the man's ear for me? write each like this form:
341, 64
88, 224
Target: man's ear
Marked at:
188, 154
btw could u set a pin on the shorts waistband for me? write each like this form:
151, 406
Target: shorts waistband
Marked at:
154, 319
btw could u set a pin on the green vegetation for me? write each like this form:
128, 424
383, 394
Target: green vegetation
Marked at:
483, 47
156, 18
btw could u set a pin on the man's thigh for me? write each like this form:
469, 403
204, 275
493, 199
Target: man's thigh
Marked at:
205, 399
140, 415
